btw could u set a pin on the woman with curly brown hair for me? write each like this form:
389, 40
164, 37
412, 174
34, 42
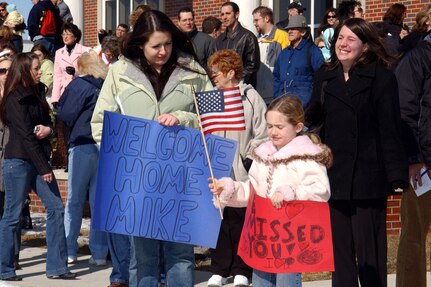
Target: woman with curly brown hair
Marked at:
226, 68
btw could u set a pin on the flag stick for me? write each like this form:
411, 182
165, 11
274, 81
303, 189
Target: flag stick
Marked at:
206, 149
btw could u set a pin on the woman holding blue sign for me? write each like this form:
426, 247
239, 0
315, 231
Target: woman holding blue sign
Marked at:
154, 80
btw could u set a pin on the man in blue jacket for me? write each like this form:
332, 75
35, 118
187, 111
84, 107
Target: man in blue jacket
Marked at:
295, 66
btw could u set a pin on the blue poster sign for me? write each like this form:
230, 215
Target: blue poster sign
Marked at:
153, 181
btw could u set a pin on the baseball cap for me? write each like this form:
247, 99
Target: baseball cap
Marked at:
296, 5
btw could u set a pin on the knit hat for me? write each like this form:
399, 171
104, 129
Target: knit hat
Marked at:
10, 8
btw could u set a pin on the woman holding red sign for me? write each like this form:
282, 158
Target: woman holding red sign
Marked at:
290, 166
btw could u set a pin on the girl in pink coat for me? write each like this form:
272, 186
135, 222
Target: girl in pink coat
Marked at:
289, 166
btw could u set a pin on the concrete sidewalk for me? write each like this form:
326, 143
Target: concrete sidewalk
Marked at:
33, 264
33, 273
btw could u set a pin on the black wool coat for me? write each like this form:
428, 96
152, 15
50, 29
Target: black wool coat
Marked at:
24, 109
361, 124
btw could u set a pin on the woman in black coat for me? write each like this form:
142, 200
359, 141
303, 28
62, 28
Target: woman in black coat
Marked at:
355, 99
24, 110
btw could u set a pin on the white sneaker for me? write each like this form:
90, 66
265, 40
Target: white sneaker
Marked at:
71, 259
97, 262
216, 281
240, 281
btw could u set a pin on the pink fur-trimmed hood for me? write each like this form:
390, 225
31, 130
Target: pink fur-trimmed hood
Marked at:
300, 148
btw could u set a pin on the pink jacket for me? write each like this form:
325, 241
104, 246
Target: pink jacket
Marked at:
298, 171
63, 60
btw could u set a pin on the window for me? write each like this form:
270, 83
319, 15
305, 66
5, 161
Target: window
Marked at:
117, 11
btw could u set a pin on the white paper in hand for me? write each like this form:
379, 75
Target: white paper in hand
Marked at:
426, 183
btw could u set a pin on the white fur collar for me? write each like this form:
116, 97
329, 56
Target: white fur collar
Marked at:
300, 145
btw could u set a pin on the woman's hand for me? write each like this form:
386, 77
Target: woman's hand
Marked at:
215, 186
403, 33
48, 177
41, 131
167, 120
277, 199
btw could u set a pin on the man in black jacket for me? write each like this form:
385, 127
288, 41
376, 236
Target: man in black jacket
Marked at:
203, 43
414, 81
241, 40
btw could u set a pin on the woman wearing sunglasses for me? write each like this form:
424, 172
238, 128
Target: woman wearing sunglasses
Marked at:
24, 110
326, 31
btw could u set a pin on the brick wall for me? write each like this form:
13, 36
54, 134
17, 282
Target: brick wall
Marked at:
393, 219
90, 23
375, 9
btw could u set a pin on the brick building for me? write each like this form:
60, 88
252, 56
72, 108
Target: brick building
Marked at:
108, 13
92, 15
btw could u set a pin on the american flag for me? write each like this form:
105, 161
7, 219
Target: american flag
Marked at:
221, 110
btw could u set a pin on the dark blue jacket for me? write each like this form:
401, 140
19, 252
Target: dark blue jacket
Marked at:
35, 14
76, 106
293, 71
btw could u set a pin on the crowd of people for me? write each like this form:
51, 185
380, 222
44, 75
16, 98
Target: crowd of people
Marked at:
343, 119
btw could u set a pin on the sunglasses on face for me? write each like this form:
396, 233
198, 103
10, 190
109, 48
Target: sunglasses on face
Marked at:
2, 10
333, 17
3, 71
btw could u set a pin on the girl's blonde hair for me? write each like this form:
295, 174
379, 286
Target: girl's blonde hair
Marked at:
291, 107
89, 63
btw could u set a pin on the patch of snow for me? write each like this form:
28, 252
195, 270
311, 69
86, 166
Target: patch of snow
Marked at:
4, 284
39, 227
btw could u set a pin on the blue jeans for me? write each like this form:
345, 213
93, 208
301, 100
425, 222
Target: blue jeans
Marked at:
265, 279
119, 248
82, 177
19, 177
179, 262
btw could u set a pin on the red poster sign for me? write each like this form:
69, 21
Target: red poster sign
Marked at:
295, 238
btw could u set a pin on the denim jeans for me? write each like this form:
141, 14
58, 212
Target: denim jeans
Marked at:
179, 262
18, 228
119, 248
82, 177
19, 177
265, 279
